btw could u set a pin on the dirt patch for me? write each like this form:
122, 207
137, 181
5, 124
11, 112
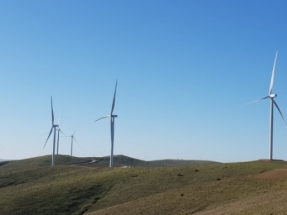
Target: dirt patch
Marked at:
276, 174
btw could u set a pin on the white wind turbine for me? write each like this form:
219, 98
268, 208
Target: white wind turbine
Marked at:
112, 120
73, 138
58, 138
54, 127
58, 130
271, 96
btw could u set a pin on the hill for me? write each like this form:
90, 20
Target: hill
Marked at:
169, 162
125, 161
119, 161
33, 187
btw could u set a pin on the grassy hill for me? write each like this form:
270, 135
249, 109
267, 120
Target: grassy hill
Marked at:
121, 160
169, 162
31, 186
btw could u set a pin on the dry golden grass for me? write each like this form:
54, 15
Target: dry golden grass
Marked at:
33, 187
246, 196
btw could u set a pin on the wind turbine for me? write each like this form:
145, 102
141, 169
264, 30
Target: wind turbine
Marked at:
54, 127
58, 130
73, 138
112, 120
58, 138
272, 96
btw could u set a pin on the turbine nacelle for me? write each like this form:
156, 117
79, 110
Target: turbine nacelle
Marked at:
114, 115
272, 96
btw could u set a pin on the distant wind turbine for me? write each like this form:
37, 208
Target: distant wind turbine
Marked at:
112, 120
54, 127
271, 96
59, 130
58, 138
73, 138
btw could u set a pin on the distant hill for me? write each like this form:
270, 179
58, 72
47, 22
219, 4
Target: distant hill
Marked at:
169, 162
79, 186
119, 161
44, 161
122, 160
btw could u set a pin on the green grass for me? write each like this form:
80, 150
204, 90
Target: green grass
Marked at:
32, 186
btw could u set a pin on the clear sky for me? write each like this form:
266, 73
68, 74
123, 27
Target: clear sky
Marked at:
184, 70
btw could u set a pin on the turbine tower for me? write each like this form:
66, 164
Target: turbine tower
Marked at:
54, 127
272, 96
112, 121
73, 138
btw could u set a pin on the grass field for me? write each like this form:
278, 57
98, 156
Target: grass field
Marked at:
76, 186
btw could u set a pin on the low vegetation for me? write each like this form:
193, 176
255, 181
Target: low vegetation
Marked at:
87, 186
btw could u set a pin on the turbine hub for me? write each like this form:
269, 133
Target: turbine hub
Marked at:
272, 96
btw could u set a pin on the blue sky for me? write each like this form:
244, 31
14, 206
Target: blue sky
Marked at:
184, 70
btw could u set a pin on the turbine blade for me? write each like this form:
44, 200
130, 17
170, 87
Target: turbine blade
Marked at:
52, 111
273, 73
279, 110
48, 137
114, 100
62, 132
103, 118
76, 142
266, 97
74, 132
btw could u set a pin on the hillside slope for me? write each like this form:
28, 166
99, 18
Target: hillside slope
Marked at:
239, 188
